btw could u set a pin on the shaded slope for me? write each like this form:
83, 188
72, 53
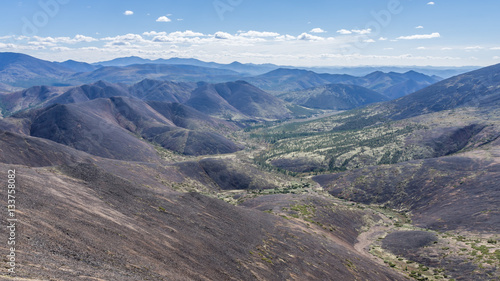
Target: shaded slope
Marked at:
36, 152
395, 85
111, 127
190, 142
187, 117
251, 100
100, 89
334, 96
448, 193
88, 131
29, 98
24, 71
206, 99
390, 84
236, 99
476, 88
155, 90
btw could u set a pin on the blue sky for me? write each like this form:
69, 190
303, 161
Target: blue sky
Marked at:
287, 32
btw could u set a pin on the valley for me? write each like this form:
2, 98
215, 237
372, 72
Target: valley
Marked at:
187, 171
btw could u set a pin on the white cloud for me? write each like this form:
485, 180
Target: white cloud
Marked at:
495, 48
317, 30
286, 37
306, 49
369, 41
187, 33
419, 27
431, 3
222, 35
421, 48
473, 48
82, 38
496, 58
309, 37
420, 36
154, 33
123, 40
163, 19
362, 31
253, 33
128, 13
63, 40
344, 31
356, 31
127, 37
446, 48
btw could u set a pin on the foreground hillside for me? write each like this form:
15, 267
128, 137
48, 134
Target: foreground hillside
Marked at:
118, 220
197, 181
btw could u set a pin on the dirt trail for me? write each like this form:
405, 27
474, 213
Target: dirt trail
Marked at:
365, 239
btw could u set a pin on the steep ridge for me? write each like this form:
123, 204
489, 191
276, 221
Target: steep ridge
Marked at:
233, 99
111, 127
477, 88
21, 70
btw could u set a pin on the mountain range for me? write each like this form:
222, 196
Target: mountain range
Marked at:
238, 100
157, 175
18, 71
392, 85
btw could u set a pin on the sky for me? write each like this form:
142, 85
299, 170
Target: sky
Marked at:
285, 32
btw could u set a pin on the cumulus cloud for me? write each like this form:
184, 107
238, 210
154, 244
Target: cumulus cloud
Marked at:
128, 13
362, 31
317, 30
344, 31
382, 39
495, 48
130, 37
253, 33
421, 48
420, 36
222, 35
419, 27
431, 3
163, 19
369, 41
81, 38
64, 40
187, 33
309, 37
355, 31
